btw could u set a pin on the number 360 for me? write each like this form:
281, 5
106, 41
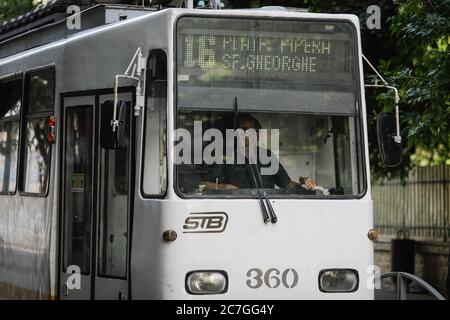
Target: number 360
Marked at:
271, 278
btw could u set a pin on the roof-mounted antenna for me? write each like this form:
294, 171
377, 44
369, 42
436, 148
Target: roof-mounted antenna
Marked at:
136, 72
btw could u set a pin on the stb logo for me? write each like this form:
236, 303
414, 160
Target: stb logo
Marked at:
202, 222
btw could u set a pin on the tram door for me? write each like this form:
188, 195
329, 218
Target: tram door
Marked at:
96, 205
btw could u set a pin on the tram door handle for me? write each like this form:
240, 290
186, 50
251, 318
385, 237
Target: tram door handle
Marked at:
65, 290
122, 296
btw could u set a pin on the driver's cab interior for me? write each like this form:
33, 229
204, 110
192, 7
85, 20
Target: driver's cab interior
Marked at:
321, 147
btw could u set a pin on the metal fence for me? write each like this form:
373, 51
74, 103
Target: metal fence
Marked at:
421, 206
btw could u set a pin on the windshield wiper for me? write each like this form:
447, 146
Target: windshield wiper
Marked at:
260, 197
273, 216
236, 111
266, 211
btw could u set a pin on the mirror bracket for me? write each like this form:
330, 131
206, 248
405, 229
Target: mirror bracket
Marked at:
136, 71
397, 137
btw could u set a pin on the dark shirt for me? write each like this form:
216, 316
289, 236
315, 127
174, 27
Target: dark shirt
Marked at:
240, 175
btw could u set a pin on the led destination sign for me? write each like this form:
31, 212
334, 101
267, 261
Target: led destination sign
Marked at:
271, 63
263, 53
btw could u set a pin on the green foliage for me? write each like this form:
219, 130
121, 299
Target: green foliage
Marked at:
422, 29
12, 8
420, 70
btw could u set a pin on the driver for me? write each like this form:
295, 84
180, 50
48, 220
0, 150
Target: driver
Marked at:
237, 176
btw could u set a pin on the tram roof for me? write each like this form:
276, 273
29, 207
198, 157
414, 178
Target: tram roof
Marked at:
105, 16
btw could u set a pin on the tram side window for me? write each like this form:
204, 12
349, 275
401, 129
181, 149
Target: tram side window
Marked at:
10, 106
40, 92
155, 151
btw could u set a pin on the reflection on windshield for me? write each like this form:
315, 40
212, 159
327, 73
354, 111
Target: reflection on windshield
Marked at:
9, 143
10, 106
37, 156
315, 155
37, 152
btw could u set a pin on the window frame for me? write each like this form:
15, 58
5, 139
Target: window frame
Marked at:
144, 131
360, 138
24, 116
10, 78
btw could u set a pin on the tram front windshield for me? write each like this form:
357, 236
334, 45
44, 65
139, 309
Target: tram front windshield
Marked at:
290, 86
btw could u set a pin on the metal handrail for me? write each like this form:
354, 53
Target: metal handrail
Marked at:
402, 285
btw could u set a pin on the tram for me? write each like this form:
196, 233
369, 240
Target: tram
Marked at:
98, 201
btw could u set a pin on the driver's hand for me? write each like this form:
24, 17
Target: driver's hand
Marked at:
211, 185
227, 186
308, 182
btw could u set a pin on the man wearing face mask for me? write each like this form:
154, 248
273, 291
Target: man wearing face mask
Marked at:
238, 176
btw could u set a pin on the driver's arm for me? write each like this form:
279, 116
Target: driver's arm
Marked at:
284, 181
212, 185
308, 182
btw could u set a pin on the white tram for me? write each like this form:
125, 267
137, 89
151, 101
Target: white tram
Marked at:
97, 200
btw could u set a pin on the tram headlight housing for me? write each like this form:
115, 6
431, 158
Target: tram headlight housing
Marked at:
207, 282
338, 280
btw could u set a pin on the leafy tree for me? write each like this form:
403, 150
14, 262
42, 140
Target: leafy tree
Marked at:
12, 8
422, 29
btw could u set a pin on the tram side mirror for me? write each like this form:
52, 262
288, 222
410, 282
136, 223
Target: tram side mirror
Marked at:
390, 150
123, 113
108, 138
